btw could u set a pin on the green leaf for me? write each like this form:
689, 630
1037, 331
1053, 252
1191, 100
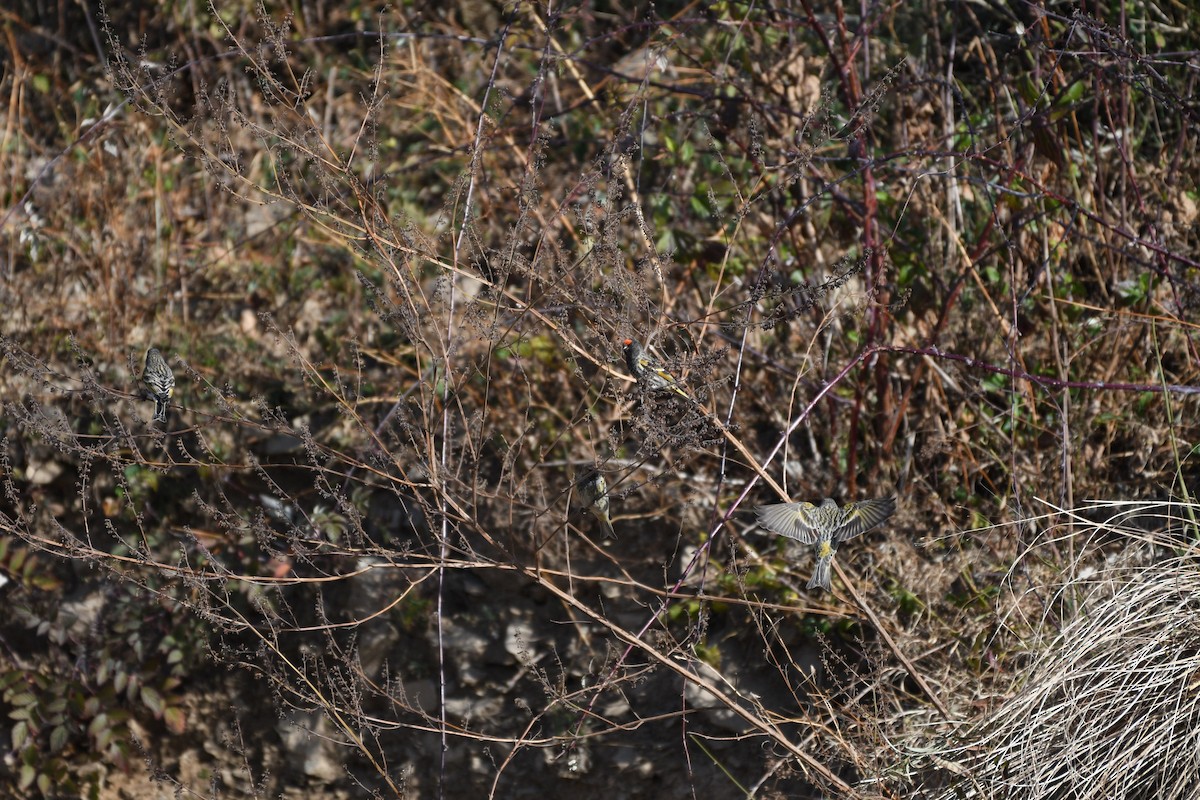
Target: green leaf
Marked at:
20, 735
153, 700
176, 719
1074, 93
98, 724
1030, 91
22, 699
45, 583
59, 737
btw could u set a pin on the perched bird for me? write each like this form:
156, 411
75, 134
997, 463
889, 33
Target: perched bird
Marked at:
593, 494
159, 381
648, 371
825, 525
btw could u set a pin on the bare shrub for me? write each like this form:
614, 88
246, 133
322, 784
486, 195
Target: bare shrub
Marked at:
391, 259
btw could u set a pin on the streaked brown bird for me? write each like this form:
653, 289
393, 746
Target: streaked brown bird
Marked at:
825, 525
159, 380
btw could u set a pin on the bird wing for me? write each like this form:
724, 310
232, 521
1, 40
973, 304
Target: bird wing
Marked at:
794, 520
590, 487
862, 516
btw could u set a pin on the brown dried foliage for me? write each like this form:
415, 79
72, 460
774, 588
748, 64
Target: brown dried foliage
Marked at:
942, 251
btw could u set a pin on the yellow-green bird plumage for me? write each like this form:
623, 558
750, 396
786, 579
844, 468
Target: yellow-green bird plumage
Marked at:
825, 525
649, 373
593, 495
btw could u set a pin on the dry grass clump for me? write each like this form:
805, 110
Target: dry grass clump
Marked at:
1109, 706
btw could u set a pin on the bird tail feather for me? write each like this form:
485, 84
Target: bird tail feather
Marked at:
821, 574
